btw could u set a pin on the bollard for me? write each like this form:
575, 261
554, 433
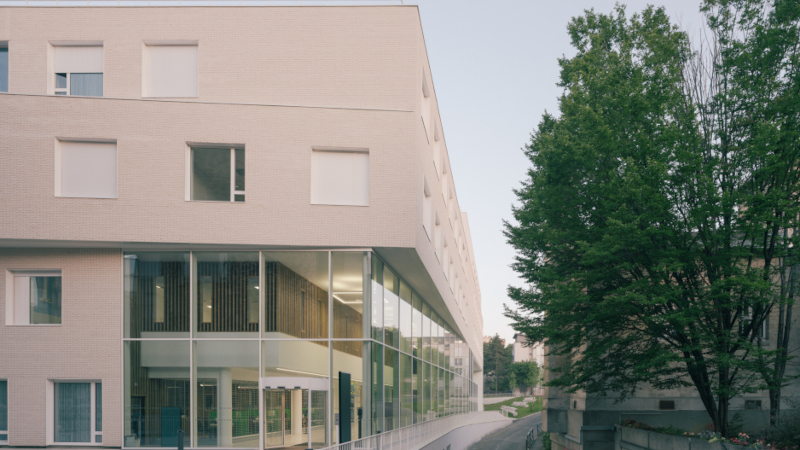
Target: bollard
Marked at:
180, 439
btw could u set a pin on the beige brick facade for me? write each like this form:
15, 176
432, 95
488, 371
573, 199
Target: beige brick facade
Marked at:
276, 80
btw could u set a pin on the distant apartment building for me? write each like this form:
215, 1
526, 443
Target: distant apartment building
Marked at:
231, 225
581, 421
523, 352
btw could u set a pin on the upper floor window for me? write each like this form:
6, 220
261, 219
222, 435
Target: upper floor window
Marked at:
36, 297
86, 169
437, 237
427, 208
170, 69
426, 105
3, 412
217, 174
340, 176
3, 70
78, 70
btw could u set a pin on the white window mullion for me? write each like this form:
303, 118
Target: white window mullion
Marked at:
92, 411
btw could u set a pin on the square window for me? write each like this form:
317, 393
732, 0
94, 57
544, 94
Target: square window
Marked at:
78, 70
3, 69
77, 412
37, 298
86, 169
217, 174
340, 177
668, 405
170, 70
3, 412
426, 208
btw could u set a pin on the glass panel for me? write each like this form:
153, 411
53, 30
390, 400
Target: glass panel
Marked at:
98, 407
286, 276
405, 317
426, 332
440, 390
61, 81
87, 84
406, 392
416, 325
157, 393
350, 361
211, 174
348, 269
73, 412
252, 299
45, 300
239, 180
3, 405
224, 282
318, 408
227, 393
238, 197
294, 358
391, 377
98, 438
391, 292
274, 407
417, 385
377, 299
4, 69
156, 295
376, 376
427, 414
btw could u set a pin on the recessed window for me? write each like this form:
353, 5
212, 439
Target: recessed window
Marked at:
78, 70
3, 70
217, 174
752, 404
340, 177
78, 412
437, 237
3, 412
426, 105
445, 264
427, 205
667, 405
37, 298
170, 70
86, 169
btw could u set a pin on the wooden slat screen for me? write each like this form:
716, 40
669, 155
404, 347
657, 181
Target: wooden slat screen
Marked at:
143, 297
229, 287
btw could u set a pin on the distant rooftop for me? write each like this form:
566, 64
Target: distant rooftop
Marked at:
77, 3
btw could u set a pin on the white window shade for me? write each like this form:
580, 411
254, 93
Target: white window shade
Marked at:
86, 169
340, 178
170, 71
78, 59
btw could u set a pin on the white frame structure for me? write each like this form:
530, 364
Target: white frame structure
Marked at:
189, 170
51, 406
17, 314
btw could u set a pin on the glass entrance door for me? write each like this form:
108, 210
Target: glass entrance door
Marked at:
274, 418
295, 413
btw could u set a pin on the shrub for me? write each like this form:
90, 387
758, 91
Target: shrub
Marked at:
546, 445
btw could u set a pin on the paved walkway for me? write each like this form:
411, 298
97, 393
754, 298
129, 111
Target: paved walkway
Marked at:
493, 400
511, 437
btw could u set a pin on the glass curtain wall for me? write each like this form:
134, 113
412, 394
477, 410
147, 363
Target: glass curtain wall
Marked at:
200, 328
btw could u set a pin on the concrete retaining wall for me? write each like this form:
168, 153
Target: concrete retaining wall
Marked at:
627, 438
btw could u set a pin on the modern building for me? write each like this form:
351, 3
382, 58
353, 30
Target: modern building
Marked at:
522, 351
218, 219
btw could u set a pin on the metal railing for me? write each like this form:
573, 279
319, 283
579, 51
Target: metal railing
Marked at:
413, 436
532, 436
140, 3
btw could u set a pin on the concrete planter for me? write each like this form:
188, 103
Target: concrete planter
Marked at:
634, 439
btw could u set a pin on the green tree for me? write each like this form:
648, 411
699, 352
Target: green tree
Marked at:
654, 216
526, 375
496, 359
512, 380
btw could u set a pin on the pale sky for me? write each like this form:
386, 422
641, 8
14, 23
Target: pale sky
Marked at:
495, 69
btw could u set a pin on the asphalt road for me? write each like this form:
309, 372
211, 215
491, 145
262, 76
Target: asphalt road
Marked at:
511, 437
